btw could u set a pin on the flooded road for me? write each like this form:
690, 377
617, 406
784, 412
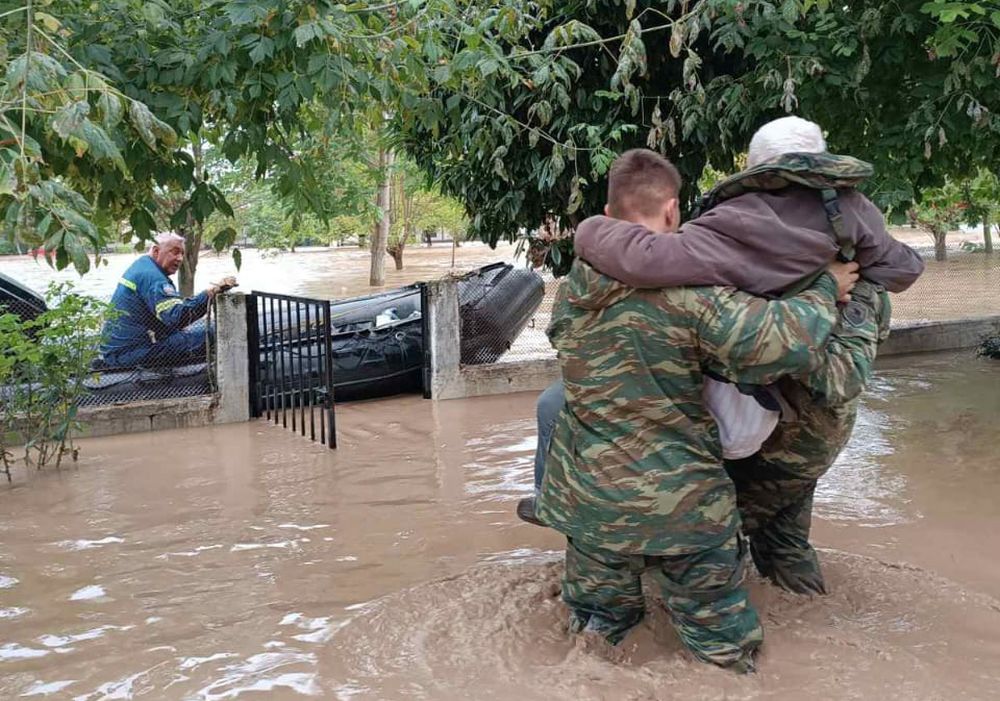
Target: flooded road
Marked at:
246, 562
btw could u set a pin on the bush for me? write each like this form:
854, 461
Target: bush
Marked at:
43, 365
990, 348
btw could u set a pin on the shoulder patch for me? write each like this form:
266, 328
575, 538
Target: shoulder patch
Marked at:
169, 290
855, 314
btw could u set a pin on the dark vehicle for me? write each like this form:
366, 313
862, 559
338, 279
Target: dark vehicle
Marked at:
377, 340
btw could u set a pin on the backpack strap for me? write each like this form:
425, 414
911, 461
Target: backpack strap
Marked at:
831, 203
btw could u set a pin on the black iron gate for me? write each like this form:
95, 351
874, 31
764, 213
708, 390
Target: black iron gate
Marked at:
291, 364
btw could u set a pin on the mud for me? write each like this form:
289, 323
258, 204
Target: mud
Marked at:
245, 562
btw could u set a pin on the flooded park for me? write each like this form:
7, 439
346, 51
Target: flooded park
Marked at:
243, 561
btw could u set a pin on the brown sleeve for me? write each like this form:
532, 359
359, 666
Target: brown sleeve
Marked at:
883, 259
640, 257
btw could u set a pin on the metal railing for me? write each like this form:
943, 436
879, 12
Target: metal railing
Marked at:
291, 364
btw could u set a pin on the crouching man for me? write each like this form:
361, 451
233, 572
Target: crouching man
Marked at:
155, 325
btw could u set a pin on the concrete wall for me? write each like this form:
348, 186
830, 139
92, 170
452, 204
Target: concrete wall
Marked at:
452, 380
230, 404
153, 415
932, 336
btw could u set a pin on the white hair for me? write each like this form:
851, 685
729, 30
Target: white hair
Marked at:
165, 237
785, 135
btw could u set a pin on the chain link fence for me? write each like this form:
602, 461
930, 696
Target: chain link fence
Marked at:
164, 366
966, 285
497, 307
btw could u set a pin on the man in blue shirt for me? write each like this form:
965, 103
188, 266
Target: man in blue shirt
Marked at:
155, 325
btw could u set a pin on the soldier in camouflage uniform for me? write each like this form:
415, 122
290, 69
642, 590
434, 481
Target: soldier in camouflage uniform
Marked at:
634, 476
775, 487
768, 238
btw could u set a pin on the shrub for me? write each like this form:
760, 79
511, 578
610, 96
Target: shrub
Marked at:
990, 348
43, 366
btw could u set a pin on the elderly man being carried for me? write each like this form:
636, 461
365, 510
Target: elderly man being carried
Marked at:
155, 325
634, 476
769, 231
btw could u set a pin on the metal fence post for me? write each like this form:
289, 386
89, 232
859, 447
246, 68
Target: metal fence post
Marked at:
328, 343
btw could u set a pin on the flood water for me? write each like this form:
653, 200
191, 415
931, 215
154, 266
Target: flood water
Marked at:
246, 562
967, 285
326, 273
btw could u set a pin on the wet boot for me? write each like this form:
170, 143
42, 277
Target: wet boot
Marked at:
776, 509
526, 512
781, 550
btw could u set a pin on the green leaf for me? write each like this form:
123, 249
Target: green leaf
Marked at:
149, 127
8, 180
68, 119
142, 223
442, 74
262, 50
237, 258
224, 239
78, 254
488, 67
110, 109
305, 33
50, 22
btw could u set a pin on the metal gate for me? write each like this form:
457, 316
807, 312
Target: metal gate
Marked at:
291, 364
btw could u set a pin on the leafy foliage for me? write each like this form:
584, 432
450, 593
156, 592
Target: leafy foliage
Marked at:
516, 108
694, 80
95, 128
43, 365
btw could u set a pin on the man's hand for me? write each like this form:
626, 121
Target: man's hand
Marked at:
846, 275
223, 285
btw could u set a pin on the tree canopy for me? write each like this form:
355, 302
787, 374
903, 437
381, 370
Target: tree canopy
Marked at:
516, 108
910, 85
100, 102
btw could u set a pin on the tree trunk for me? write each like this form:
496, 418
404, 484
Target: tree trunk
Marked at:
380, 233
403, 213
192, 247
987, 234
397, 255
940, 250
189, 266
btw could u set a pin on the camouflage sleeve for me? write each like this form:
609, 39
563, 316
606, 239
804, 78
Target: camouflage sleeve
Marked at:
754, 340
849, 357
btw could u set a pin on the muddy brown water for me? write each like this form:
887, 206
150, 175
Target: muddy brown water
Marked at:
245, 562
966, 285
327, 273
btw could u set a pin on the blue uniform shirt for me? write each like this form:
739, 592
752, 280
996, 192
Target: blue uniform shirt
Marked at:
151, 310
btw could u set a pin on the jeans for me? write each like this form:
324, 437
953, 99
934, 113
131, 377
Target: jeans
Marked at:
550, 403
182, 347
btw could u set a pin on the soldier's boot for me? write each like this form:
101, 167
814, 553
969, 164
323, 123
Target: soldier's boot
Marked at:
526, 511
782, 552
708, 603
603, 590
776, 510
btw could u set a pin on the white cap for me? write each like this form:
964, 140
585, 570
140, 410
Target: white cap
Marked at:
785, 135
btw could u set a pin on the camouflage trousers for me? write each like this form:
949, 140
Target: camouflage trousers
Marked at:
775, 487
703, 592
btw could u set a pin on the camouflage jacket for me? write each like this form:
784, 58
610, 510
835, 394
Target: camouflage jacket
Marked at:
635, 463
